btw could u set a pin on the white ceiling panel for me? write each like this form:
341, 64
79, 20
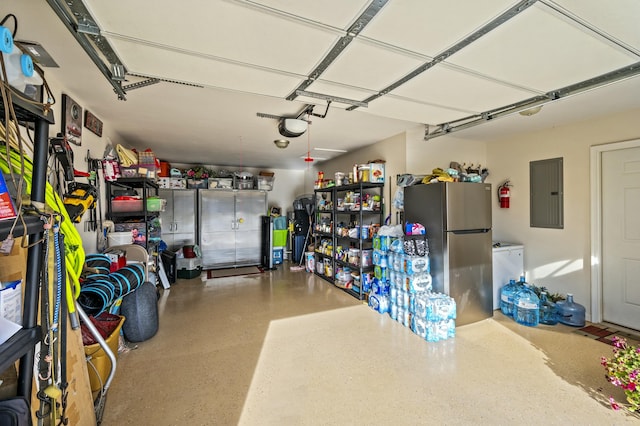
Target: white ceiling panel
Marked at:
207, 72
539, 50
404, 109
620, 20
224, 29
443, 85
327, 88
431, 26
370, 66
336, 13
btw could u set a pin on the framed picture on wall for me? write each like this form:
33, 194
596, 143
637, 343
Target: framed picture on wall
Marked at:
71, 120
92, 123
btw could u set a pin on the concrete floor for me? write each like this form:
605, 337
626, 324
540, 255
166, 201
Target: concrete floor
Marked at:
287, 348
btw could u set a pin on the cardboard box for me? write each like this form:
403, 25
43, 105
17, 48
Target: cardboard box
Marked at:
376, 172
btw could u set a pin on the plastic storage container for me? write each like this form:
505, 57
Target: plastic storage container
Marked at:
126, 205
189, 268
156, 204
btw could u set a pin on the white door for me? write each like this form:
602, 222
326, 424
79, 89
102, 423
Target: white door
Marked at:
621, 237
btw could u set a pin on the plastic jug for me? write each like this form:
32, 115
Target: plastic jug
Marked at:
526, 307
548, 310
20, 71
506, 297
570, 312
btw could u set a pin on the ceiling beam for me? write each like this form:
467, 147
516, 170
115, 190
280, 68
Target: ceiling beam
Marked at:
611, 77
352, 32
85, 34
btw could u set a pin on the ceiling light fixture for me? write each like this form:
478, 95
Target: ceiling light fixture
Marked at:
292, 127
330, 149
531, 111
281, 143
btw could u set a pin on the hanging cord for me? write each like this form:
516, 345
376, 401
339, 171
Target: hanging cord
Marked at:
15, 23
45, 359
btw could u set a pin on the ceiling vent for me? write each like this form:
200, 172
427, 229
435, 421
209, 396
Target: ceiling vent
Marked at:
292, 127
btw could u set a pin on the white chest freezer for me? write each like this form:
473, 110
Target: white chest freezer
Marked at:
508, 264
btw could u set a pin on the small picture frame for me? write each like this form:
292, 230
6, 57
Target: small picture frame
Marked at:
92, 123
71, 120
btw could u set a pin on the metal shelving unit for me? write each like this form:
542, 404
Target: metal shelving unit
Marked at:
349, 215
147, 188
22, 344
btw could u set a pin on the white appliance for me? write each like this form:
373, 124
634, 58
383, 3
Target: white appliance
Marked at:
508, 264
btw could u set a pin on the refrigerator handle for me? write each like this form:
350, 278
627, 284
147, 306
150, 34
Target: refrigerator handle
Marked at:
471, 231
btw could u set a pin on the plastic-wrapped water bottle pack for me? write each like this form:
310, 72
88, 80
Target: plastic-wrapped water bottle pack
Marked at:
402, 288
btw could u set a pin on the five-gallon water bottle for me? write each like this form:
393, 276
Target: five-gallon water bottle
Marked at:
506, 297
548, 310
570, 312
526, 306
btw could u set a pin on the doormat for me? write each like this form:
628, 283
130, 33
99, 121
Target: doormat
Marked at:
605, 334
234, 272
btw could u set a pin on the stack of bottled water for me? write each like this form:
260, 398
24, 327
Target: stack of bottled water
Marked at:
402, 287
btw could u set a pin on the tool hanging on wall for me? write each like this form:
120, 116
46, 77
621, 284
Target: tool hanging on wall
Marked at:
95, 221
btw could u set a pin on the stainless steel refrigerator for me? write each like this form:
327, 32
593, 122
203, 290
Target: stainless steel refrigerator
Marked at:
457, 219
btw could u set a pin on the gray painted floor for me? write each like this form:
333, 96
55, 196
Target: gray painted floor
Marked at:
287, 348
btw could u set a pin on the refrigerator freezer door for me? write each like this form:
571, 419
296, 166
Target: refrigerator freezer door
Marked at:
469, 279
468, 206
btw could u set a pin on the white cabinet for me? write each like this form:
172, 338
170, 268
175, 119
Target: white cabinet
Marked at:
508, 264
179, 217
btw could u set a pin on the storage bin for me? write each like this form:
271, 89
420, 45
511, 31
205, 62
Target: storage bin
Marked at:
265, 183
197, 183
97, 356
279, 237
220, 183
126, 205
189, 268
156, 204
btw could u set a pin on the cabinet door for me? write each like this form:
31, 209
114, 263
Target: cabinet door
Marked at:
250, 206
184, 217
166, 216
217, 228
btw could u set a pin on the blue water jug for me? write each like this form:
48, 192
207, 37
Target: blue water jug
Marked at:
548, 310
526, 307
570, 312
506, 297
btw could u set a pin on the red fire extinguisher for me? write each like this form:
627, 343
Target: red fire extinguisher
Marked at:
504, 194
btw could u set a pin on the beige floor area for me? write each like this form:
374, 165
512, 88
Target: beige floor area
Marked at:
287, 348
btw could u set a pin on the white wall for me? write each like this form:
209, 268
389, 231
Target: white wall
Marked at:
424, 156
558, 259
392, 150
90, 142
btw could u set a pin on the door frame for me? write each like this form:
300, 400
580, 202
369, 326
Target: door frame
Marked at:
596, 221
